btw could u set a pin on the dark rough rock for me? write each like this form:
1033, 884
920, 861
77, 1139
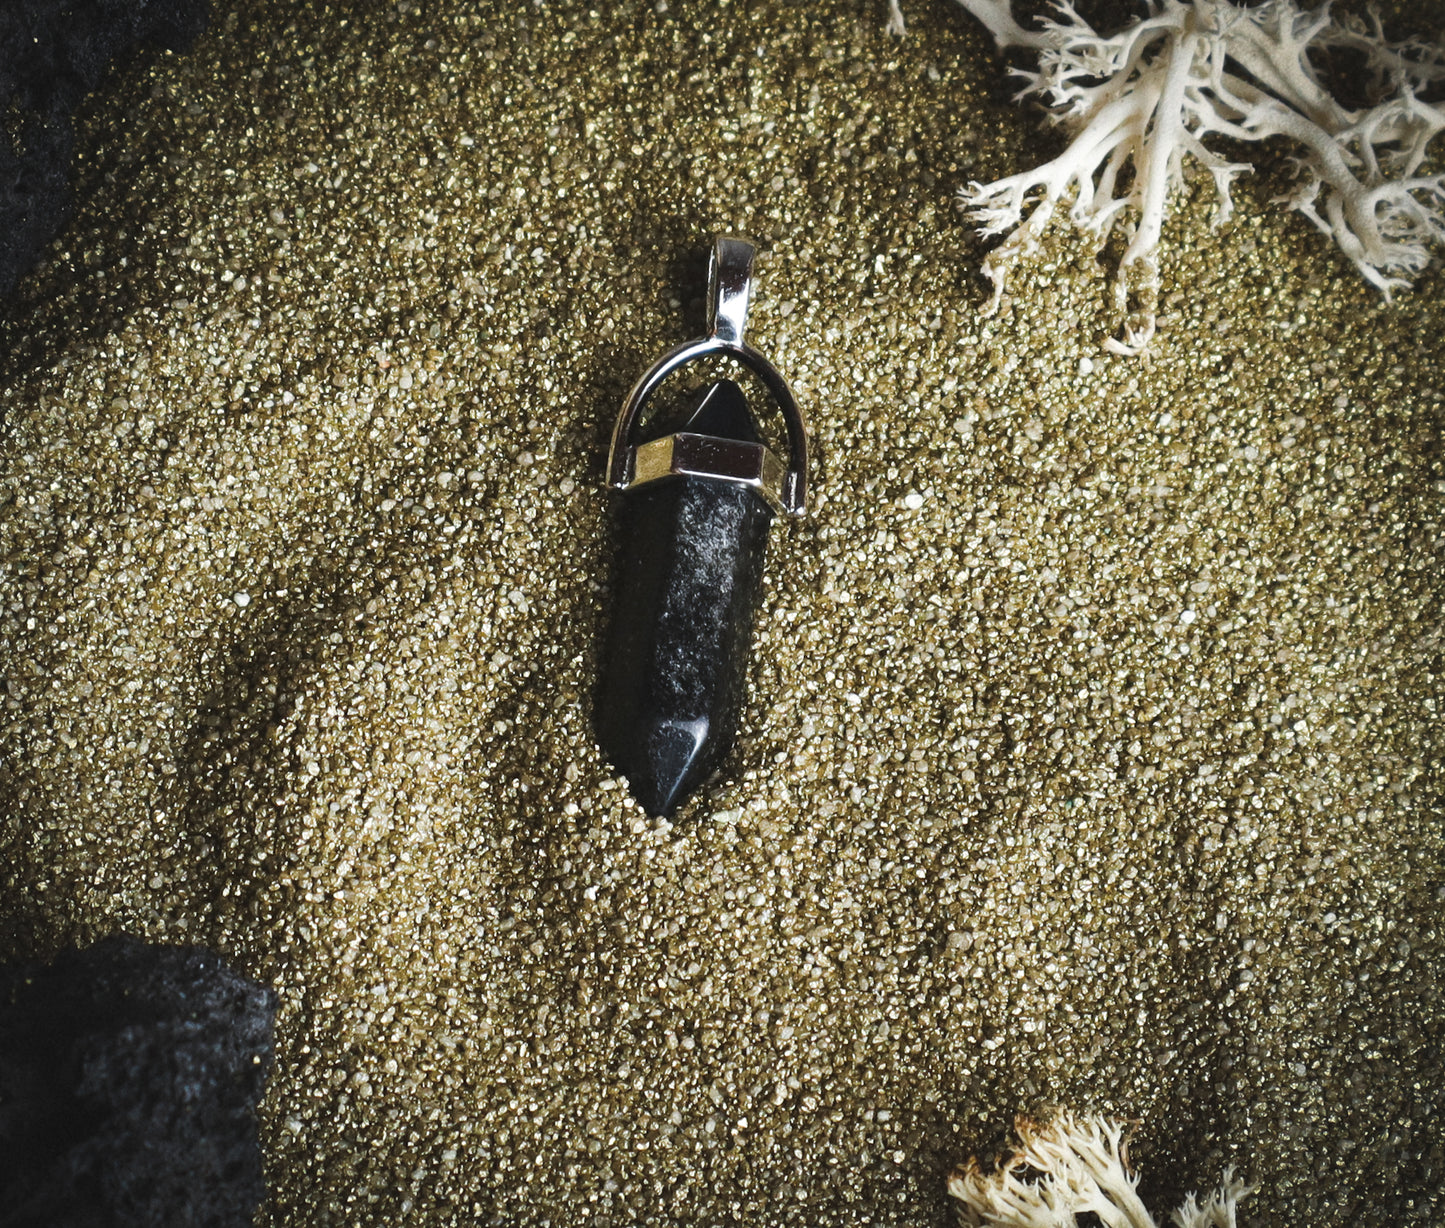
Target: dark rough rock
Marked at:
129, 1078
690, 565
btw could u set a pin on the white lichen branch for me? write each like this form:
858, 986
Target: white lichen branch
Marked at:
1216, 1211
1066, 1166
1137, 104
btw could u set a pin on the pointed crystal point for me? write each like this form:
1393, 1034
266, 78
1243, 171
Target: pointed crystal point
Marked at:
722, 410
689, 577
672, 762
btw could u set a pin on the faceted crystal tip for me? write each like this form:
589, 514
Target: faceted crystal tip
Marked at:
669, 763
720, 410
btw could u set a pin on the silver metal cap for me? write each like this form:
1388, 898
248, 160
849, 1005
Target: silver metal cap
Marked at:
706, 456
730, 282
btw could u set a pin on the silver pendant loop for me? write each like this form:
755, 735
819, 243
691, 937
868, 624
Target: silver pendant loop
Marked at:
729, 286
730, 279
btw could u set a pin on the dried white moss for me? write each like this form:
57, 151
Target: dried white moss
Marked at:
1140, 104
1066, 1165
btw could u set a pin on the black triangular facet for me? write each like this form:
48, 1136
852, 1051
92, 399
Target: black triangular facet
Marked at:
674, 757
720, 410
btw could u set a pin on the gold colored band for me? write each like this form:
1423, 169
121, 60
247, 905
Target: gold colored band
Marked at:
706, 456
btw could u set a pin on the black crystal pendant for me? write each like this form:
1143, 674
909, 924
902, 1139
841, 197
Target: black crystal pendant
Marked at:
689, 573
696, 506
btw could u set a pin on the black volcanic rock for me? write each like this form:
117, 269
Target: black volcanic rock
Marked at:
129, 1078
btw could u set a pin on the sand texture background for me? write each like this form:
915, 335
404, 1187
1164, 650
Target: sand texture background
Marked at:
1105, 771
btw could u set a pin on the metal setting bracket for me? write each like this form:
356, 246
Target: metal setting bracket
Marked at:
730, 281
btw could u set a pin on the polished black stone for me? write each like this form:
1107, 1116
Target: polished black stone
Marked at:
689, 575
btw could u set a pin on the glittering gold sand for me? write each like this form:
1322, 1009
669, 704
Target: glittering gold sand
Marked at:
1109, 774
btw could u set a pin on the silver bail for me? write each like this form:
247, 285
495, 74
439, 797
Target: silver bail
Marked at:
729, 286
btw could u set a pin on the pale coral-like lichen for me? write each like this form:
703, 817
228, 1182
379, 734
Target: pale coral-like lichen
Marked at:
1138, 103
1064, 1166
